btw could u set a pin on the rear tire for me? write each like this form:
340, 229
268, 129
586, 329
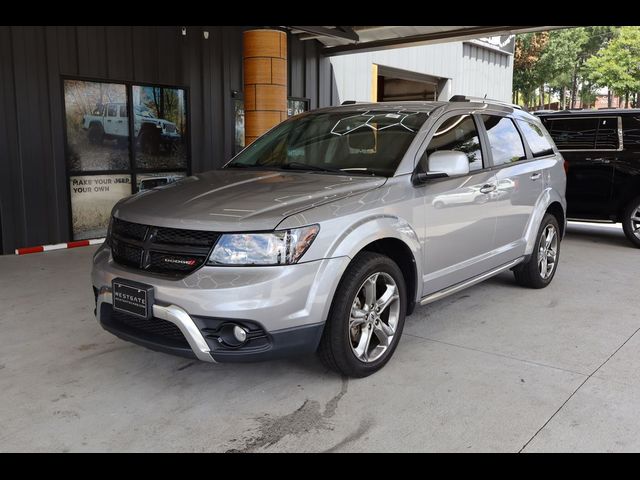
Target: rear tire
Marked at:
541, 267
359, 340
630, 226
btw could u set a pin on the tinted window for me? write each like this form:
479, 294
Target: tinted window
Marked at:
536, 138
631, 130
123, 111
112, 111
573, 133
504, 140
607, 135
456, 133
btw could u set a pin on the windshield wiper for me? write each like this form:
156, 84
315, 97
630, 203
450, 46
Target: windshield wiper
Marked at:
306, 166
256, 167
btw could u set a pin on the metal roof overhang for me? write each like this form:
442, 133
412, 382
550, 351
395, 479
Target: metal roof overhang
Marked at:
342, 40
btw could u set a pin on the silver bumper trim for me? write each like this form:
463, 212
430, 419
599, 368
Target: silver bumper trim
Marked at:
175, 315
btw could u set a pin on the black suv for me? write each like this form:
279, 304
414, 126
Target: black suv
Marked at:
601, 149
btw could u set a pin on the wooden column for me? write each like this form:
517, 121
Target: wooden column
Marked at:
265, 81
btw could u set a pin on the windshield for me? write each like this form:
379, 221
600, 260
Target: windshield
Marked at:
368, 142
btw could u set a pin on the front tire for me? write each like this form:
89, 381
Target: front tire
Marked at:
631, 222
541, 267
366, 317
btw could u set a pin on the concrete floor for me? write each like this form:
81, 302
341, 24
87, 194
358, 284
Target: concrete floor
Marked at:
493, 368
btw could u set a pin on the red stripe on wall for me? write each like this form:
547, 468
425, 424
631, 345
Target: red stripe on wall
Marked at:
23, 251
79, 243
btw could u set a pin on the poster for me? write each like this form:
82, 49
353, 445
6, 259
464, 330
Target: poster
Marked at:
297, 106
238, 105
97, 126
92, 198
160, 127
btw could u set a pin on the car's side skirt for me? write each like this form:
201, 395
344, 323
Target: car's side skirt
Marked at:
467, 283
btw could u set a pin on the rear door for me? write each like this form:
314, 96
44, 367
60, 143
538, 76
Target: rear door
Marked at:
519, 184
590, 145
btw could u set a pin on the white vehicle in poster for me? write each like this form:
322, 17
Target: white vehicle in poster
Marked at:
110, 121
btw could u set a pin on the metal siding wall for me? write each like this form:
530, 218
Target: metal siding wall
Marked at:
10, 184
34, 204
472, 70
487, 72
311, 74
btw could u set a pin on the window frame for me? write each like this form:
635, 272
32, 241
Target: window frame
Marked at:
580, 117
530, 154
487, 163
133, 171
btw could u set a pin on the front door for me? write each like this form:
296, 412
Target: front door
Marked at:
460, 225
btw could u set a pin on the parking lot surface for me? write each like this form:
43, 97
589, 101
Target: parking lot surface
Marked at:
493, 368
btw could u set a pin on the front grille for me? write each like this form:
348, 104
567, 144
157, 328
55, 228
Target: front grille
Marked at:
155, 327
168, 251
135, 231
195, 238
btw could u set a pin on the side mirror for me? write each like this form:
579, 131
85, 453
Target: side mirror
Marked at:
444, 163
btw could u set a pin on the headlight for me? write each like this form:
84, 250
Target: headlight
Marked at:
276, 248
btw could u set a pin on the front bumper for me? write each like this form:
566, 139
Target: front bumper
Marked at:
283, 308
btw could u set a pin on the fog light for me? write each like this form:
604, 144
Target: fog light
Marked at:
240, 334
232, 335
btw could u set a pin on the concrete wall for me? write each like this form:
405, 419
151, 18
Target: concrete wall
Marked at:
472, 69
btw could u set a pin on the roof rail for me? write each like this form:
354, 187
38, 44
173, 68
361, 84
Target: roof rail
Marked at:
349, 102
465, 98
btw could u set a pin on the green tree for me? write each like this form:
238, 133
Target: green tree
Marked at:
617, 65
526, 74
560, 61
556, 61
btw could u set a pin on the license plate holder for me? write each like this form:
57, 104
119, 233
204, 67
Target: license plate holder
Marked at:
133, 298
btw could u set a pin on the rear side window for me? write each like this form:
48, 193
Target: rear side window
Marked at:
457, 133
112, 111
595, 133
631, 130
536, 138
607, 134
504, 140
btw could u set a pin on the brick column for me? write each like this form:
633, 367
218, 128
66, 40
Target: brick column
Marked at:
265, 81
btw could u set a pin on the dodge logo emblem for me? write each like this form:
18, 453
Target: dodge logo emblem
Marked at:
178, 261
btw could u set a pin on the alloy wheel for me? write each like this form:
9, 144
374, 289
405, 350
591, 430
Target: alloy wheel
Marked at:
547, 251
373, 320
635, 222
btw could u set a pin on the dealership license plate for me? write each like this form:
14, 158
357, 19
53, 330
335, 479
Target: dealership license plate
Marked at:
132, 297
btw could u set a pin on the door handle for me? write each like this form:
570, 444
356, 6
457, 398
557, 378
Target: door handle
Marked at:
488, 188
535, 176
598, 160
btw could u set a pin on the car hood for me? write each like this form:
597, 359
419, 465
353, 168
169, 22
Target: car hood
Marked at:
238, 200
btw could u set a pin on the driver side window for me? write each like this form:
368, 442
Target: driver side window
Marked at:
457, 133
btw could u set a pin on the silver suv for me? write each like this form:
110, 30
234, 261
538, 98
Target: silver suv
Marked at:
328, 230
